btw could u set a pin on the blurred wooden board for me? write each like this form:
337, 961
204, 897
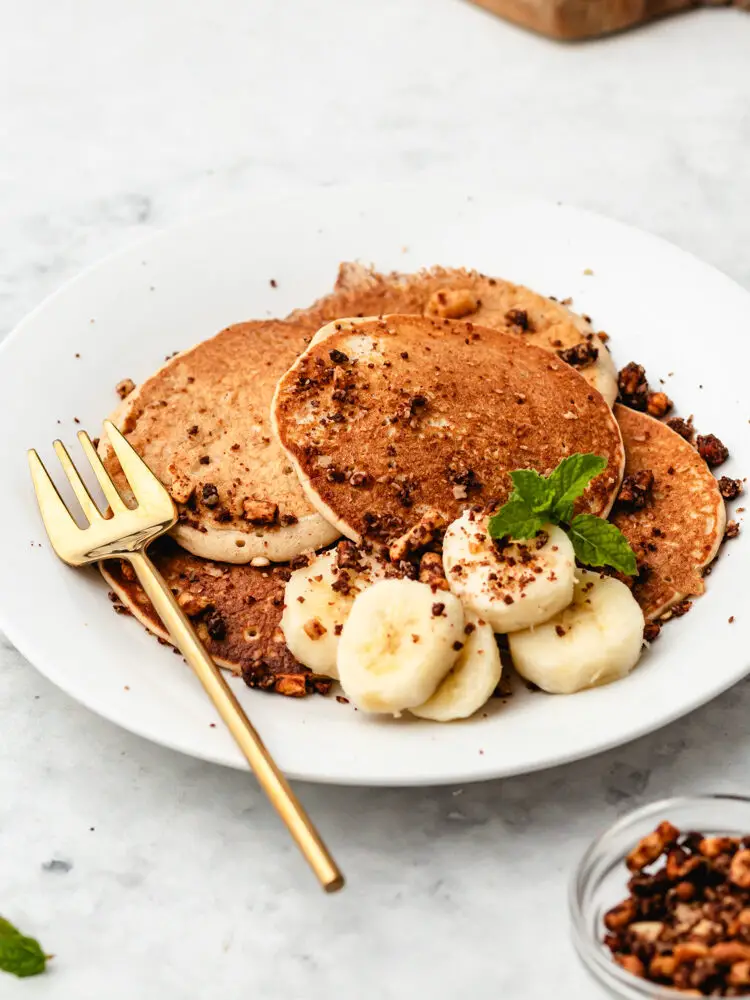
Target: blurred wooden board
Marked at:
572, 19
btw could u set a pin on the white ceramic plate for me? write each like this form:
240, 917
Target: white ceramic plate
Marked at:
661, 307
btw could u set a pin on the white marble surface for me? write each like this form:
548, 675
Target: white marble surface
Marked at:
117, 119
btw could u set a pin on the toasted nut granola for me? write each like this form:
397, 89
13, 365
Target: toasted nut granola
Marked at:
452, 303
124, 388
652, 846
192, 604
621, 915
739, 872
729, 952
314, 628
739, 974
711, 449
633, 386
658, 404
291, 685
431, 571
632, 964
712, 847
260, 511
419, 536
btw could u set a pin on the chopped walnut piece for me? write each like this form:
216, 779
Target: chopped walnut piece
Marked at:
658, 404
633, 386
711, 449
431, 571
216, 625
452, 303
260, 511
209, 495
732, 529
739, 872
192, 604
632, 964
181, 489
291, 685
636, 490
730, 489
124, 388
418, 536
314, 629
652, 846
682, 427
519, 318
580, 355
651, 631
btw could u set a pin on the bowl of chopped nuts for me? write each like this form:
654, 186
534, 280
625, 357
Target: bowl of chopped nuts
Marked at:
660, 902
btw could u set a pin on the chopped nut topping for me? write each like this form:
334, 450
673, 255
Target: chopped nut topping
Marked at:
419, 536
431, 571
636, 490
519, 318
711, 450
216, 625
314, 628
338, 357
210, 495
260, 511
579, 355
730, 489
687, 924
658, 404
125, 387
452, 303
633, 386
682, 427
192, 604
732, 530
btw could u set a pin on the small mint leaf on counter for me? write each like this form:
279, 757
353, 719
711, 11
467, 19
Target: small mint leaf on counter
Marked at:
19, 955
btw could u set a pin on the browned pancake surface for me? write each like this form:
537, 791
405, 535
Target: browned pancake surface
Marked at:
455, 293
387, 419
236, 610
202, 423
678, 532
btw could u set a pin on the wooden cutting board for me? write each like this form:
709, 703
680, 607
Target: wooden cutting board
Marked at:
571, 19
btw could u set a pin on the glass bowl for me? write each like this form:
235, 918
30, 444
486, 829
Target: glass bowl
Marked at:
599, 882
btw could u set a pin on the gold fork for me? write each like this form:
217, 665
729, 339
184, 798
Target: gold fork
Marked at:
125, 535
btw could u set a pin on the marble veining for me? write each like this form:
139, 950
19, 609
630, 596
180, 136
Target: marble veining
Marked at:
152, 875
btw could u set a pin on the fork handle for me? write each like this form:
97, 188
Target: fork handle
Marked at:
270, 777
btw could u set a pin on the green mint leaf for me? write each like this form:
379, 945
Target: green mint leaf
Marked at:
599, 543
21, 956
533, 489
568, 481
7, 929
515, 520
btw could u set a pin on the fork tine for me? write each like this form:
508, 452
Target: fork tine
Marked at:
85, 499
146, 487
56, 516
109, 489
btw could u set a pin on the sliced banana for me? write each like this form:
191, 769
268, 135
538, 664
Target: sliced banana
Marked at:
520, 585
317, 602
470, 681
398, 643
596, 640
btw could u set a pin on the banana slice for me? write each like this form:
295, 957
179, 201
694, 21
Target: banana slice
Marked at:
471, 680
596, 640
317, 602
398, 643
516, 587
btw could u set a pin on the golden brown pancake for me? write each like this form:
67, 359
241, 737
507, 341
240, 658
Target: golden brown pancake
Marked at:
389, 419
678, 533
202, 423
235, 609
459, 294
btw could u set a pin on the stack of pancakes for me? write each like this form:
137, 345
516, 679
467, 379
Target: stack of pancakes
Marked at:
392, 398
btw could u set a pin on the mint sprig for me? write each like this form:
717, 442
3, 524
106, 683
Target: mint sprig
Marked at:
20, 955
538, 500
